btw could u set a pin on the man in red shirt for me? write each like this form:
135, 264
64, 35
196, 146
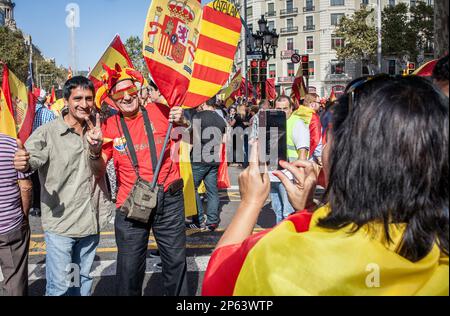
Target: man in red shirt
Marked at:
167, 219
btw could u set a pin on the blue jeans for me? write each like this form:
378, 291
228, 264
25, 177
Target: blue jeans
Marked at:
68, 264
208, 174
280, 201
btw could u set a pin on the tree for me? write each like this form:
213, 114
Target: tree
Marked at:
134, 48
360, 37
14, 52
422, 25
440, 28
398, 37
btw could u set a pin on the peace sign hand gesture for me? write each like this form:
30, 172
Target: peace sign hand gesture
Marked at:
94, 136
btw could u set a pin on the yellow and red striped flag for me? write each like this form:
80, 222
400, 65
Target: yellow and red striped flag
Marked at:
7, 124
20, 102
217, 44
231, 91
299, 89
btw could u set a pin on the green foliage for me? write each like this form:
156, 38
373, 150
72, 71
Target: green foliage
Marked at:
16, 54
134, 48
422, 25
360, 38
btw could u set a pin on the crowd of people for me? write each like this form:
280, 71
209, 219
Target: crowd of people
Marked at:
380, 151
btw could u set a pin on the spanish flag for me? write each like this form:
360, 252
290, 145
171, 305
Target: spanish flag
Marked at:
299, 258
299, 89
232, 90
20, 102
115, 53
7, 124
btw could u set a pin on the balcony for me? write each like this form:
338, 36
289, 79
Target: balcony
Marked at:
271, 14
310, 8
309, 28
287, 54
286, 79
289, 30
291, 11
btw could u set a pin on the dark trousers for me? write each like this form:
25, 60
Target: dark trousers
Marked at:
208, 174
167, 222
14, 260
36, 190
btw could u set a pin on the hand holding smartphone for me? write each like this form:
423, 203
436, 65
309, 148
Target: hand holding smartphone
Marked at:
272, 139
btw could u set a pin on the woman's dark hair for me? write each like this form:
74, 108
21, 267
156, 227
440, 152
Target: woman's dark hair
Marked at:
441, 72
77, 82
389, 163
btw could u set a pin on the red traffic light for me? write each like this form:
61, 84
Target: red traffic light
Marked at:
254, 64
411, 66
305, 59
263, 64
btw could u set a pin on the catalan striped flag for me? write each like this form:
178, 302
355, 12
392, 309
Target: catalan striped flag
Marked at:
115, 53
299, 258
20, 101
217, 44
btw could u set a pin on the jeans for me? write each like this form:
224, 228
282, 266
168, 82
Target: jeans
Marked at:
280, 201
167, 222
208, 174
68, 264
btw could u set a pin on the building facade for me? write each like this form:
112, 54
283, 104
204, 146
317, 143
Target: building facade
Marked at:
308, 27
7, 14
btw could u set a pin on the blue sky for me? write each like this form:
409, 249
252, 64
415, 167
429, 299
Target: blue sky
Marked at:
100, 20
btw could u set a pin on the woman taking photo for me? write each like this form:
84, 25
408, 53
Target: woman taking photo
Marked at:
384, 229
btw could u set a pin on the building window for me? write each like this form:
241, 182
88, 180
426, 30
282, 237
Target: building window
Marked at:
309, 4
337, 67
336, 42
271, 25
289, 5
290, 44
290, 23
250, 28
337, 2
412, 3
291, 70
310, 43
392, 67
365, 2
272, 71
309, 22
250, 12
271, 8
392, 3
336, 18
312, 69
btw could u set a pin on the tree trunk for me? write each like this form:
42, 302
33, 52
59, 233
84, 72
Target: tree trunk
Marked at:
440, 28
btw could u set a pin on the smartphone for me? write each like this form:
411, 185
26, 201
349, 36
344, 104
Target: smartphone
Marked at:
272, 138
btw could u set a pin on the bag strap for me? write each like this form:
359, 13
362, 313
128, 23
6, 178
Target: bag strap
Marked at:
130, 145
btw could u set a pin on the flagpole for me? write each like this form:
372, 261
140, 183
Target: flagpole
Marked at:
161, 157
245, 46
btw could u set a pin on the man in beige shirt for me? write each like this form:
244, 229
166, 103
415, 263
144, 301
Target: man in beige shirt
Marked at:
75, 203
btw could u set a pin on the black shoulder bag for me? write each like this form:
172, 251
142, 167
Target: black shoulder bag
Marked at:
143, 198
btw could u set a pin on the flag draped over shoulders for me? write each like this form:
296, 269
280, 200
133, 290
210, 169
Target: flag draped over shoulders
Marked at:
299, 258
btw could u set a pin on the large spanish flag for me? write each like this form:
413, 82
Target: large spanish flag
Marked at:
190, 52
231, 91
299, 258
21, 102
115, 53
299, 89
7, 124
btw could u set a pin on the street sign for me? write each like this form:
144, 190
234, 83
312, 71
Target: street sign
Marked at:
296, 58
255, 55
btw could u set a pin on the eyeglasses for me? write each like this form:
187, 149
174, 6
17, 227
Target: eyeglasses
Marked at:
119, 96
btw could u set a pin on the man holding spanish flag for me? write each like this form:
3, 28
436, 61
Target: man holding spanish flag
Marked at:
134, 139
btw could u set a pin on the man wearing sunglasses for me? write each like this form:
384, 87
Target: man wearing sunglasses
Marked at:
136, 149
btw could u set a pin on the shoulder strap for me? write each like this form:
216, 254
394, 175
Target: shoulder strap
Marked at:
151, 139
130, 145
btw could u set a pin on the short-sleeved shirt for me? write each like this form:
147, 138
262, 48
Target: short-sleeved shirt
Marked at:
115, 146
11, 214
209, 128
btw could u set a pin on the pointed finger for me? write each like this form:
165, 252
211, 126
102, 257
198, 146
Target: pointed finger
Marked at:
97, 121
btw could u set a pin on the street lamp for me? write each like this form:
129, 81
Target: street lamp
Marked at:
265, 42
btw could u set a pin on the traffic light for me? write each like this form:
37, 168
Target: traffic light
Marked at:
254, 71
305, 66
262, 71
411, 68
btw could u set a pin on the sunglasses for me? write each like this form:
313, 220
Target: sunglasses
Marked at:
118, 96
